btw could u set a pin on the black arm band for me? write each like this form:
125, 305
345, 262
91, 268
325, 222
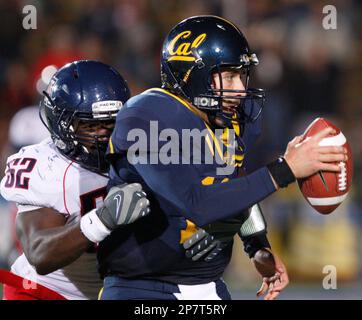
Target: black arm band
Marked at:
281, 172
254, 243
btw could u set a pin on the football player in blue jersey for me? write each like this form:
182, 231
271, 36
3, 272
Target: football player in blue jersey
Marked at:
185, 143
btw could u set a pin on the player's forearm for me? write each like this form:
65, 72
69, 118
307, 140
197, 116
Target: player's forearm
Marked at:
51, 249
208, 204
228, 199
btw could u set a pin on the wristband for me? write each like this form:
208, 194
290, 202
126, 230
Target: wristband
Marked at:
93, 228
281, 172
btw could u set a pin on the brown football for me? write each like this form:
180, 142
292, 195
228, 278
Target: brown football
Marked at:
325, 191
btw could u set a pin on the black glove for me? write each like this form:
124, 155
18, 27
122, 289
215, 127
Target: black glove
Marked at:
208, 241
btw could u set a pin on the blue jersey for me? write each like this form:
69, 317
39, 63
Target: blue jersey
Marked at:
186, 189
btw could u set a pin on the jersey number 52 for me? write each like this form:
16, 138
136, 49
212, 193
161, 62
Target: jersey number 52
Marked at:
16, 170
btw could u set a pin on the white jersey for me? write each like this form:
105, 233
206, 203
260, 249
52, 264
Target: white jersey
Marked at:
40, 176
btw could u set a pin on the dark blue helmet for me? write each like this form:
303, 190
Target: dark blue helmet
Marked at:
83, 94
196, 48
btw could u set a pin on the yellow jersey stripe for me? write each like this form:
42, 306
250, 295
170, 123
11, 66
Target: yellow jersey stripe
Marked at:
111, 148
188, 232
216, 142
100, 294
208, 181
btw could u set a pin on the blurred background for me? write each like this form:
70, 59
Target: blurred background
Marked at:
307, 71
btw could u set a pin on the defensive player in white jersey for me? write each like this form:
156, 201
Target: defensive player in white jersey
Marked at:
59, 187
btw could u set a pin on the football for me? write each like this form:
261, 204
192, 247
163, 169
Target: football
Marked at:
325, 191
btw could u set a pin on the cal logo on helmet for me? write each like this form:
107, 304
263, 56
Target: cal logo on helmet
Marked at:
180, 46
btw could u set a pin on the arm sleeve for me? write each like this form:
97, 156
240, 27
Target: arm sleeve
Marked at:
181, 185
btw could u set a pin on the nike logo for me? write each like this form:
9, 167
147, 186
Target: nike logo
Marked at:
323, 180
118, 198
90, 220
